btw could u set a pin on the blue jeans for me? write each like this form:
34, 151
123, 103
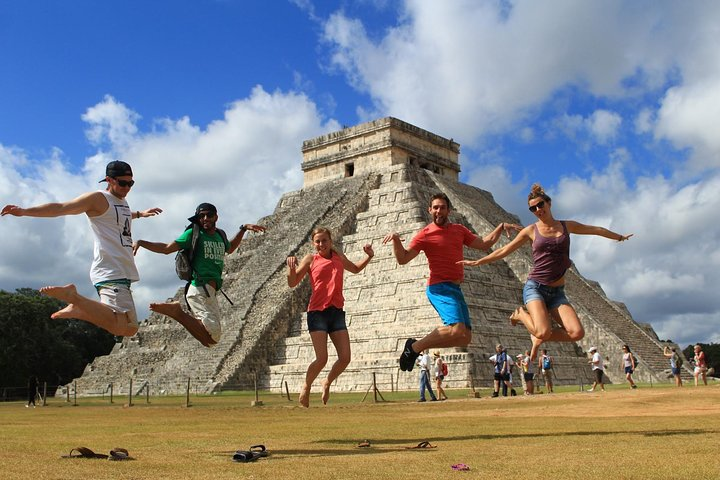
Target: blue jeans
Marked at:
425, 383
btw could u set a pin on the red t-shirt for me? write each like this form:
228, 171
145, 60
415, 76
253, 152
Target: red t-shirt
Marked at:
443, 247
326, 278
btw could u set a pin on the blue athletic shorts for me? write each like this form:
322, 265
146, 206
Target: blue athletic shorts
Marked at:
449, 303
330, 320
628, 370
552, 296
675, 371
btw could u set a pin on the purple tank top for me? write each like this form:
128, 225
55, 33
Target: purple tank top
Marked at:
551, 257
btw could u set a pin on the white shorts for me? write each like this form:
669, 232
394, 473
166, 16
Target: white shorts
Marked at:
206, 309
699, 370
119, 298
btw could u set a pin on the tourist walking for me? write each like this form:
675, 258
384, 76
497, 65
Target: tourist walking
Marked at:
208, 246
113, 269
676, 362
527, 366
629, 364
424, 363
439, 368
544, 290
501, 371
700, 365
325, 315
32, 391
598, 369
545, 365
443, 241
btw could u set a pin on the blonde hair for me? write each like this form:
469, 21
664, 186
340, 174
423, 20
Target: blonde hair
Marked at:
537, 191
319, 230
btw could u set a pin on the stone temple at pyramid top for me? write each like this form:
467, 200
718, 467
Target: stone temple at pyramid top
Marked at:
372, 145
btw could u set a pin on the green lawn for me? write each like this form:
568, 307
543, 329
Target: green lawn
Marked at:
658, 433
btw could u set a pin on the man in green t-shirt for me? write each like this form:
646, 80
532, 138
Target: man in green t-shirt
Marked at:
207, 265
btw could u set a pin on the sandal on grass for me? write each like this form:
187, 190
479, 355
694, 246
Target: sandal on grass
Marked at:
83, 452
119, 454
423, 445
460, 467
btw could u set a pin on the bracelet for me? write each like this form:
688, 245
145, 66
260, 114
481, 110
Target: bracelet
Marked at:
138, 214
243, 228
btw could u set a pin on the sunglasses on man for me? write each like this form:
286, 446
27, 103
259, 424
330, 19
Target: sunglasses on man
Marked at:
125, 183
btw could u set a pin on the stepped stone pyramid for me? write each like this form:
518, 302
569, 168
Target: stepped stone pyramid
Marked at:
364, 182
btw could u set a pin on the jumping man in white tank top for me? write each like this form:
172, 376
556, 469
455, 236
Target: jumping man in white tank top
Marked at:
113, 268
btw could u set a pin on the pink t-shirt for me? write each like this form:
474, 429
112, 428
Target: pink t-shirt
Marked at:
443, 247
326, 278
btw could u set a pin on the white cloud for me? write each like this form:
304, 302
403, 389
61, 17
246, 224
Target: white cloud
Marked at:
241, 163
604, 125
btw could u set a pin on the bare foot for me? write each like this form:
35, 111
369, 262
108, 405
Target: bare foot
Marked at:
304, 397
67, 293
536, 342
325, 392
515, 317
71, 311
171, 309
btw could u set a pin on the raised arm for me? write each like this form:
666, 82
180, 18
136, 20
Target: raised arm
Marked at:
235, 242
296, 272
521, 238
484, 243
402, 255
357, 267
91, 203
580, 229
157, 247
150, 212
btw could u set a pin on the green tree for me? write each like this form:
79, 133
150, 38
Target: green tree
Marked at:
56, 351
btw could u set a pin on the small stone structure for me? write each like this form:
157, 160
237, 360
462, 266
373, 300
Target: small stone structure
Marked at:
362, 183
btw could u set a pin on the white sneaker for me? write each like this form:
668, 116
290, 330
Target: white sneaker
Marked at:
591, 390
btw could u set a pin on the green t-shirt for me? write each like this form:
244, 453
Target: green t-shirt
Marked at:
209, 256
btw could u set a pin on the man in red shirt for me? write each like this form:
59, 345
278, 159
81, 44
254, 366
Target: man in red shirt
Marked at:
442, 242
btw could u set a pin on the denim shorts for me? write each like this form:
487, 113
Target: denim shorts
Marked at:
449, 302
675, 371
330, 320
628, 370
552, 296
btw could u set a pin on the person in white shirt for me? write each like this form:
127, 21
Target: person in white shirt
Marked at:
113, 268
598, 368
439, 377
424, 362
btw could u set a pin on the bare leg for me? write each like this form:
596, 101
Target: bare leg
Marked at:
92, 311
319, 340
191, 324
341, 340
456, 335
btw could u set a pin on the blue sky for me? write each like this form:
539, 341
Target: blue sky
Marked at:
612, 106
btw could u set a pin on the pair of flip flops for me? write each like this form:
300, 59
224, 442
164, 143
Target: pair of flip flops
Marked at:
460, 467
255, 452
116, 454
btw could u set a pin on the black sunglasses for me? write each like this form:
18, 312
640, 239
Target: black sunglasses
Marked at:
125, 183
540, 204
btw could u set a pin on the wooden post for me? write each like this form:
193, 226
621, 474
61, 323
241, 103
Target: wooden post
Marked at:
287, 391
147, 392
257, 402
130, 394
187, 393
44, 394
374, 389
392, 383
75, 394
67, 394
473, 393
111, 393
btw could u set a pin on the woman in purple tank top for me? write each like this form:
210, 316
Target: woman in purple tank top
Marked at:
544, 291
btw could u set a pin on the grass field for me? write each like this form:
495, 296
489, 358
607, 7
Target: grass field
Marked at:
650, 433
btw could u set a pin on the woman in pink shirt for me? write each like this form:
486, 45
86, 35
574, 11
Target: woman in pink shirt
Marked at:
544, 291
700, 365
325, 315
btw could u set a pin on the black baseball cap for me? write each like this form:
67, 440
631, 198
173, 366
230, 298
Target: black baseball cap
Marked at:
117, 168
203, 207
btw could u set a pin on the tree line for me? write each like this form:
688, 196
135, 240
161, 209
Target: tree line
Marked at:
33, 344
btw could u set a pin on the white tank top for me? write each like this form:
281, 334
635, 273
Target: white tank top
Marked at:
113, 257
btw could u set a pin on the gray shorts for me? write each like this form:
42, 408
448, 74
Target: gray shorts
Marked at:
205, 308
119, 298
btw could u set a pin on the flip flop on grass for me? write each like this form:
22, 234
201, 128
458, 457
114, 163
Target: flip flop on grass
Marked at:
423, 445
119, 454
83, 452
